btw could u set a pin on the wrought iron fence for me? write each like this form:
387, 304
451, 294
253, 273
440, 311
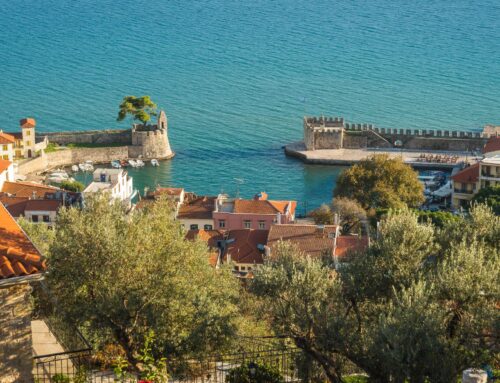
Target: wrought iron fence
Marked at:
79, 367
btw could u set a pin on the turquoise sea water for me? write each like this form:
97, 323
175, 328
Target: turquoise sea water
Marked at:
235, 77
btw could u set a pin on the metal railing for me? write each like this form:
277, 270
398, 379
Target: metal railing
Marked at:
79, 366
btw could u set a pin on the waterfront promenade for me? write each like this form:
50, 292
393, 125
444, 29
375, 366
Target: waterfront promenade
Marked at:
347, 157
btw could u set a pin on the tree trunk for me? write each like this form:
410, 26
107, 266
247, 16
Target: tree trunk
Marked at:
328, 365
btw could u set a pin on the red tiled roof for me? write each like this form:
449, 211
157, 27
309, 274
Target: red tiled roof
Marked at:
4, 164
244, 247
242, 206
43, 205
168, 191
27, 122
18, 255
209, 236
311, 239
15, 205
492, 145
26, 189
467, 175
6, 138
198, 208
350, 243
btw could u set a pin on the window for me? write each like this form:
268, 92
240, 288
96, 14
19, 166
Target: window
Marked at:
262, 224
5, 156
193, 227
34, 218
28, 143
5, 147
243, 268
208, 227
46, 218
28, 132
222, 223
247, 224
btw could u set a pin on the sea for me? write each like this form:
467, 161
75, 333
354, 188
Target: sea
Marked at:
236, 77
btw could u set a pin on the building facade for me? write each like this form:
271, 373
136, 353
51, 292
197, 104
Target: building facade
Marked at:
258, 213
114, 182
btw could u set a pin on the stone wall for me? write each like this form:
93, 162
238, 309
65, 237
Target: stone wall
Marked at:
118, 136
328, 139
72, 156
355, 141
16, 361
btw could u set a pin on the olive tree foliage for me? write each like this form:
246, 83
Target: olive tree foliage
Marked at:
140, 108
349, 212
119, 276
418, 305
40, 234
381, 182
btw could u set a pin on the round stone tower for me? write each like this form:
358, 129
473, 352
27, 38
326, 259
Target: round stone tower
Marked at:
151, 141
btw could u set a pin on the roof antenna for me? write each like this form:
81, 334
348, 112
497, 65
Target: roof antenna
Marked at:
239, 181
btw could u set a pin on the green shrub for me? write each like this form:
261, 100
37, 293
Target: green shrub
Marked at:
61, 378
51, 147
72, 186
254, 373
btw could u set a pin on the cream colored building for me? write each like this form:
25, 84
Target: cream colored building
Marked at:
6, 146
489, 174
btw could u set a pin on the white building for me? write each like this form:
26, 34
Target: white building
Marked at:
489, 172
6, 172
115, 182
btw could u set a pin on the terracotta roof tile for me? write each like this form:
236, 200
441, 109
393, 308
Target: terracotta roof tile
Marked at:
311, 239
27, 122
167, 191
243, 206
492, 145
26, 189
4, 164
467, 175
350, 243
198, 208
209, 236
18, 255
243, 245
15, 205
43, 205
6, 138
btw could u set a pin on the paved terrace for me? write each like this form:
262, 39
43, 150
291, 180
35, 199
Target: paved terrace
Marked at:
347, 157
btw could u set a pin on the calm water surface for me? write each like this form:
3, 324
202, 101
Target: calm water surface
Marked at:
235, 77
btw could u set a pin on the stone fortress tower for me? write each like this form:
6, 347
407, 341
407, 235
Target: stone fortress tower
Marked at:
151, 141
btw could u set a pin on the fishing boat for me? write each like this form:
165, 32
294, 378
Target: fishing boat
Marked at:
75, 168
116, 164
140, 163
132, 163
123, 163
155, 162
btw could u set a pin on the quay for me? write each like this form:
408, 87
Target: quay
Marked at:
332, 141
348, 157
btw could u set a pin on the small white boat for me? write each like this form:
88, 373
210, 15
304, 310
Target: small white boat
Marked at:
155, 162
75, 168
132, 163
116, 164
86, 167
140, 163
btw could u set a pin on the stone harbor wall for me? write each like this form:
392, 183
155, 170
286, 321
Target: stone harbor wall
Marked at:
334, 133
16, 355
67, 157
121, 136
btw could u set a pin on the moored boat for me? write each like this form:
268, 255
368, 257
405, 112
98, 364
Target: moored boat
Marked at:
155, 162
116, 164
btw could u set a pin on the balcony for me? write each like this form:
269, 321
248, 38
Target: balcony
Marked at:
463, 191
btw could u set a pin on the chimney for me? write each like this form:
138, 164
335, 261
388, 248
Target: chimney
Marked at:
320, 230
336, 219
278, 219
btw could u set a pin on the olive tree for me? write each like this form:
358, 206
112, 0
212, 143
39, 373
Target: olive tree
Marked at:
119, 276
418, 305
